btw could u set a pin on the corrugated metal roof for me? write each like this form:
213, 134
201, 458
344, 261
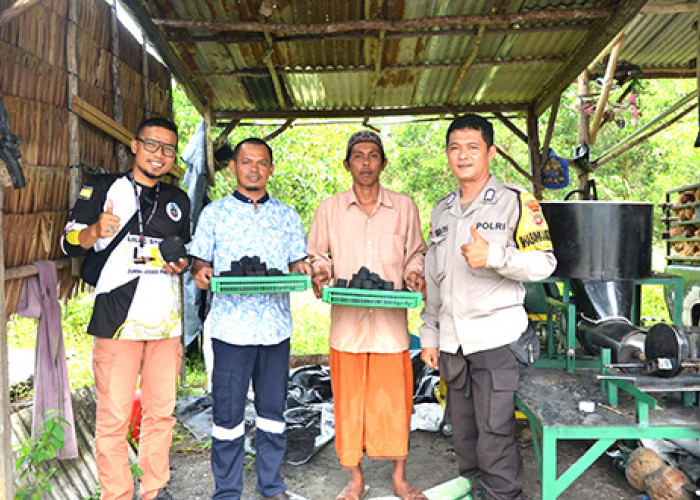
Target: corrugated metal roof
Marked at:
323, 58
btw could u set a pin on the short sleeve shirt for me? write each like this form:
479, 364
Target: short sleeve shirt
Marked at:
231, 228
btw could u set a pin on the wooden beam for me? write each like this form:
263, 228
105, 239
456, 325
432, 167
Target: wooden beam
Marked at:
590, 47
361, 113
31, 270
668, 111
605, 91
277, 132
225, 133
584, 120
145, 82
540, 15
76, 174
511, 126
260, 72
209, 147
115, 130
533, 147
554, 111
7, 488
644, 137
464, 68
122, 160
169, 57
182, 35
517, 167
697, 67
668, 8
16, 9
267, 59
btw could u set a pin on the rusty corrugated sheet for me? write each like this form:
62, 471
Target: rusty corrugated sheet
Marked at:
331, 73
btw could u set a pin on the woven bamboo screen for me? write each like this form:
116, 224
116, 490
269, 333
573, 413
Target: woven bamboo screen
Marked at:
34, 87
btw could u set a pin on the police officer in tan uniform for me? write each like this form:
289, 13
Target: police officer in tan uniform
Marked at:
486, 239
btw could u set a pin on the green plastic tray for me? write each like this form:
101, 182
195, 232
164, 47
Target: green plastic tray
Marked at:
371, 298
292, 282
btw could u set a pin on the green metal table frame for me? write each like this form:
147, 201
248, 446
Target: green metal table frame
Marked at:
567, 308
545, 437
545, 446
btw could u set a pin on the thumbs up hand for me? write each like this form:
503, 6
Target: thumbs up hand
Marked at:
476, 253
108, 223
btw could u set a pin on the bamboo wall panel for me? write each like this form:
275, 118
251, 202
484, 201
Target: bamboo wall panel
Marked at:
129, 49
37, 31
158, 73
95, 63
42, 129
93, 18
160, 101
46, 190
31, 77
35, 93
32, 237
97, 97
97, 148
131, 83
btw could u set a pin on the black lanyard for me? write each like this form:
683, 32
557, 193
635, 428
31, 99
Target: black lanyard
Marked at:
142, 226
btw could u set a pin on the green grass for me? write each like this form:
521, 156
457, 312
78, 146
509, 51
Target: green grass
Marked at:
311, 321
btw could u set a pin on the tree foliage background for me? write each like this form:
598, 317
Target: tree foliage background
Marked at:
308, 158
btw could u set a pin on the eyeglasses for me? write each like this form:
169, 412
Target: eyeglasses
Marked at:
152, 146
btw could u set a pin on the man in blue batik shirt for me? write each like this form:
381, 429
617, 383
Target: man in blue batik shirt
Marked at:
250, 333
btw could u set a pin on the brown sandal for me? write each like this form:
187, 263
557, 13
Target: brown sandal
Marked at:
348, 494
413, 493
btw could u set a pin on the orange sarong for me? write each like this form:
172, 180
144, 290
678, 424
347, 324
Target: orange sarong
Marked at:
373, 398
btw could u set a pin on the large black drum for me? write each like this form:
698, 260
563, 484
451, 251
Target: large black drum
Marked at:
600, 240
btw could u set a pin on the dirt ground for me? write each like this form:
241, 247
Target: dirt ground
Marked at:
431, 462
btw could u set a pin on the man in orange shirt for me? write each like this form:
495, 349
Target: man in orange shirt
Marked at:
371, 372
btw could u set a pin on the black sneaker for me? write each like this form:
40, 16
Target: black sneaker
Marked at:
163, 494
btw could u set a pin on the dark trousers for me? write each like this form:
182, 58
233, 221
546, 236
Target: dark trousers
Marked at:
234, 367
481, 393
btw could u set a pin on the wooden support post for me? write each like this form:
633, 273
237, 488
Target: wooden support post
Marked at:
533, 146
76, 174
583, 122
511, 126
145, 82
550, 131
605, 91
277, 132
697, 70
225, 132
6, 466
517, 167
122, 161
209, 144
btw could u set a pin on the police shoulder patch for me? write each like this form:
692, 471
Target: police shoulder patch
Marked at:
449, 199
85, 193
532, 232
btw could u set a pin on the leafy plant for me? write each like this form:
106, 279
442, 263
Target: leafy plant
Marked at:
33, 455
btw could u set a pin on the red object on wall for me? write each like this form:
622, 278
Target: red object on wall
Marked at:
135, 422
